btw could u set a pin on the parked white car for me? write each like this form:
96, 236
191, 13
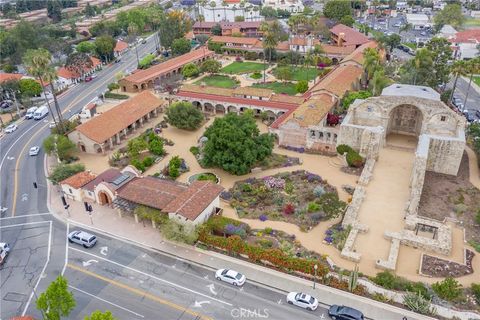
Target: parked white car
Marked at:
302, 300
4, 250
11, 128
230, 276
34, 151
81, 237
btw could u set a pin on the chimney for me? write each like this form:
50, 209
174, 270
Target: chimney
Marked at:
341, 39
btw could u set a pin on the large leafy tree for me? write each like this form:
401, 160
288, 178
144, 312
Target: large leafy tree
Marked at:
235, 144
459, 68
56, 301
211, 66
181, 46
54, 10
441, 53
29, 87
98, 315
184, 115
86, 47
451, 14
104, 46
59, 145
337, 9
173, 26
64, 171
79, 62
190, 70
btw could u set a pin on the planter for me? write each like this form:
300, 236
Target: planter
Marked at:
204, 176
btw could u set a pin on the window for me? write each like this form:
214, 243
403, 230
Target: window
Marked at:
443, 118
312, 134
70, 190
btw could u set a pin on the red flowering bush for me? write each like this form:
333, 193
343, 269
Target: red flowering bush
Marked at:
289, 209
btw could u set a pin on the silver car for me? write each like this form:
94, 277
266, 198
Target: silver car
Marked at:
81, 237
34, 151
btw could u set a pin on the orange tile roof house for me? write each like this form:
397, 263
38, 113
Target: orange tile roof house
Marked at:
67, 77
102, 132
4, 77
246, 28
120, 48
188, 204
72, 186
145, 79
344, 36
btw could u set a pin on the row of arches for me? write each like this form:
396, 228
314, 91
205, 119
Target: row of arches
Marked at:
219, 108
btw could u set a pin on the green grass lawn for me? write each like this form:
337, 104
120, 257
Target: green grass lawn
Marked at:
476, 80
302, 73
242, 67
278, 87
411, 45
472, 22
218, 81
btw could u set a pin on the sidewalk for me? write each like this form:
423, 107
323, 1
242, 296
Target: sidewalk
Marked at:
106, 220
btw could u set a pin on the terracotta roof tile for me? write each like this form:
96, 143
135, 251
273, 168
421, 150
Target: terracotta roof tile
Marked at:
167, 66
151, 192
336, 50
109, 123
338, 81
357, 55
120, 46
312, 111
252, 91
70, 74
467, 36
108, 176
10, 76
78, 180
191, 203
351, 36
235, 40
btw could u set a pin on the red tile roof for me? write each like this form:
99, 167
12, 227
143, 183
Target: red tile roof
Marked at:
168, 66
338, 81
70, 74
245, 101
357, 55
78, 180
111, 122
10, 76
120, 46
467, 36
108, 175
350, 36
193, 201
235, 40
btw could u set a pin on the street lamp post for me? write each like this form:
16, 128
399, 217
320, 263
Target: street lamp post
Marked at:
315, 267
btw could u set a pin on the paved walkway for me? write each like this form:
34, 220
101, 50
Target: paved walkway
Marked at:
107, 221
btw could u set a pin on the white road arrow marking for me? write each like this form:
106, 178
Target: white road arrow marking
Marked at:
3, 209
104, 250
212, 289
206, 277
89, 262
241, 289
10, 158
279, 301
198, 304
25, 197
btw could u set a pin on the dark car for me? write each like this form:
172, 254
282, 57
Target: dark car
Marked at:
88, 79
344, 313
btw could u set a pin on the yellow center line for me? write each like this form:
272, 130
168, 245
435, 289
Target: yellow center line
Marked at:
22, 152
139, 292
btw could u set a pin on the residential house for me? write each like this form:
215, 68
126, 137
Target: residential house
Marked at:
120, 48
68, 77
343, 36
105, 130
250, 29
72, 186
466, 44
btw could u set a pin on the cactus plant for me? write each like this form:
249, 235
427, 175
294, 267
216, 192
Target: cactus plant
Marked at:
417, 303
352, 281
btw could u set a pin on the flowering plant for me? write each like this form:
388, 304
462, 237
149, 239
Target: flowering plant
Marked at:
274, 183
263, 217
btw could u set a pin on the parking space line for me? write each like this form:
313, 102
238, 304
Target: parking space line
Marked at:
24, 224
106, 301
43, 270
139, 292
152, 276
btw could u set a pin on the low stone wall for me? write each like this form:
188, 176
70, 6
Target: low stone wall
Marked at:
391, 262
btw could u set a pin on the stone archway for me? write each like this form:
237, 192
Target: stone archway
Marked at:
81, 147
209, 107
405, 119
104, 198
219, 108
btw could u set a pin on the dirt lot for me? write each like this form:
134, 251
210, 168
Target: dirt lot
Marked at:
455, 197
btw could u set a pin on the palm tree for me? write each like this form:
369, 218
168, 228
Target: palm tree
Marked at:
371, 61
422, 59
473, 67
378, 81
132, 31
459, 68
37, 63
224, 5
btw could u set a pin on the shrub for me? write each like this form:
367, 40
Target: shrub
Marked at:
190, 70
195, 150
184, 115
117, 96
417, 303
174, 167
477, 217
175, 231
246, 187
343, 148
289, 209
268, 230
354, 159
385, 279
64, 171
148, 162
449, 289
155, 146
138, 164
263, 217
313, 207
318, 191
331, 205
476, 291
317, 216
256, 75
301, 86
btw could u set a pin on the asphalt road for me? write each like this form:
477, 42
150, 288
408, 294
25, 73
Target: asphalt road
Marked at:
473, 101
29, 261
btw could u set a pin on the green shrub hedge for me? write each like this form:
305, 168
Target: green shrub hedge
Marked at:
343, 148
354, 159
388, 280
118, 96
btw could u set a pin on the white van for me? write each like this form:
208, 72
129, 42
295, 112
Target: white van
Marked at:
40, 113
30, 112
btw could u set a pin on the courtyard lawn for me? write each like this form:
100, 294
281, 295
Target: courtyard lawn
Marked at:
218, 81
302, 73
477, 80
243, 67
278, 87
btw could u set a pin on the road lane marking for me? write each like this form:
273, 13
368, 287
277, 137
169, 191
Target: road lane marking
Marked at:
66, 249
42, 273
106, 301
152, 276
24, 224
27, 215
139, 292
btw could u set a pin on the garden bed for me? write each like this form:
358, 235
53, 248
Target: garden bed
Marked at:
297, 197
276, 160
437, 267
219, 81
239, 67
206, 176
